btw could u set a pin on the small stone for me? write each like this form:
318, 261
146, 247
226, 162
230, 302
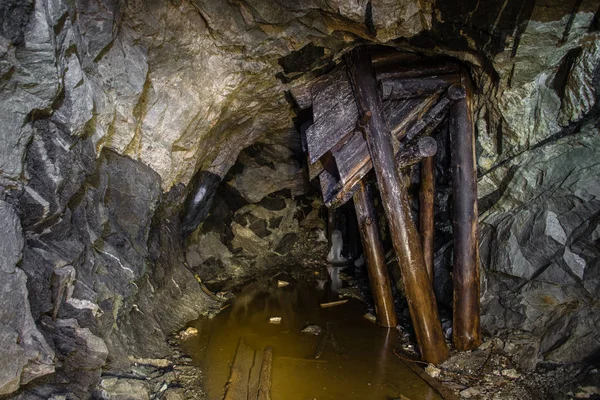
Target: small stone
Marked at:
281, 284
313, 330
433, 371
510, 373
275, 320
468, 393
189, 332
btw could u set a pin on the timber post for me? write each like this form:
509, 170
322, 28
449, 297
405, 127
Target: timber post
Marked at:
426, 212
419, 292
466, 331
375, 257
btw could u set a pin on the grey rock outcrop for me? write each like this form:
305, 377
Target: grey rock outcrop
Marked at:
539, 248
25, 353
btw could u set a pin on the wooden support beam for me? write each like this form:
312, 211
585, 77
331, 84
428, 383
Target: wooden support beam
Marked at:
426, 212
415, 152
419, 293
416, 70
390, 56
466, 332
375, 257
408, 113
416, 87
429, 120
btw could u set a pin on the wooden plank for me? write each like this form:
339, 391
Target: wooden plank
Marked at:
332, 90
329, 129
416, 69
328, 185
351, 157
345, 192
426, 212
466, 331
237, 386
264, 386
255, 375
430, 120
334, 112
419, 293
375, 257
411, 113
416, 87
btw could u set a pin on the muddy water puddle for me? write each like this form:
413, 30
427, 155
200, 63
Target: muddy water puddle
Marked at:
357, 361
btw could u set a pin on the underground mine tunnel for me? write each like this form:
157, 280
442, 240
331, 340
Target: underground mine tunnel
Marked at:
299, 200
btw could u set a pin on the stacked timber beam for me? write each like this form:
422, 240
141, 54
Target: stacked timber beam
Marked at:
376, 111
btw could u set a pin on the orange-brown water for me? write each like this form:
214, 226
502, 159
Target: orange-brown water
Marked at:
357, 364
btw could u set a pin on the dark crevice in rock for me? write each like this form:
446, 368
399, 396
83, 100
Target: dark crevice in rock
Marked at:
569, 25
369, 19
302, 60
559, 83
198, 201
595, 24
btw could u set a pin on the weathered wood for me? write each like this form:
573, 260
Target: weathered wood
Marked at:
426, 212
390, 56
432, 117
264, 386
328, 130
331, 90
466, 332
415, 152
416, 69
237, 386
419, 293
409, 115
375, 257
334, 113
416, 87
255, 375
334, 303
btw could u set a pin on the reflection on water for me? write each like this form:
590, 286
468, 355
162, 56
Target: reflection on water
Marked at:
357, 363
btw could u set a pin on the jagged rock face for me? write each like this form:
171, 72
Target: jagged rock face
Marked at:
109, 108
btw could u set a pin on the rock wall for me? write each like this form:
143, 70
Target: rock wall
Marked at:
109, 108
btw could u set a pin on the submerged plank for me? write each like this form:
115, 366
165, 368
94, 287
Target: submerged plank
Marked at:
237, 386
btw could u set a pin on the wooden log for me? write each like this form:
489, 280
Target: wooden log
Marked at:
416, 70
466, 332
334, 303
426, 212
432, 117
237, 386
415, 152
390, 56
419, 293
416, 87
411, 114
375, 257
264, 386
